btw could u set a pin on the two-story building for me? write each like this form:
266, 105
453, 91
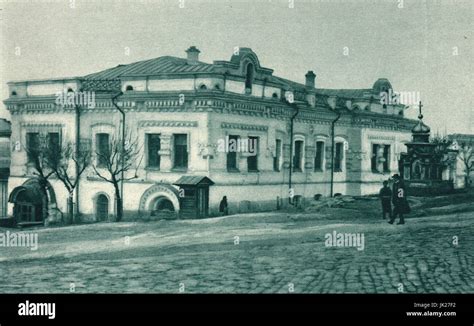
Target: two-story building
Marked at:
186, 113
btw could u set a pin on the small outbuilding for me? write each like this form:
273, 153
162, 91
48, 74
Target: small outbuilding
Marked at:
194, 196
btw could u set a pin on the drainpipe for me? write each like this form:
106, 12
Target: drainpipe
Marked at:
123, 145
78, 140
333, 123
292, 119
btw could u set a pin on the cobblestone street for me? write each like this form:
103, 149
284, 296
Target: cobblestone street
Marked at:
258, 253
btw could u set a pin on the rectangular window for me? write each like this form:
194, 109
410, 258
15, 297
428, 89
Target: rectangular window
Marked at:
298, 156
252, 161
277, 157
54, 141
338, 157
102, 149
154, 146
379, 152
32, 145
180, 151
318, 159
232, 153
375, 149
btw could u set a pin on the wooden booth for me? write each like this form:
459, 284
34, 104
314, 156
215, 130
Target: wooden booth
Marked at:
194, 196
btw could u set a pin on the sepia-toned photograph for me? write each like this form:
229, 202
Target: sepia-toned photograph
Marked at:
237, 147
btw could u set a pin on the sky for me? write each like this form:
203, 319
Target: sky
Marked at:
420, 46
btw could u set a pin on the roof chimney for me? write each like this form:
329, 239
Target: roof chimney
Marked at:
193, 55
310, 77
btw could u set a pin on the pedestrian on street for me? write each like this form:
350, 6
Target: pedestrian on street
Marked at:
223, 207
399, 200
385, 195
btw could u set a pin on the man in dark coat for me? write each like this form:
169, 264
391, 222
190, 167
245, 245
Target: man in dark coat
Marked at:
223, 206
399, 200
385, 195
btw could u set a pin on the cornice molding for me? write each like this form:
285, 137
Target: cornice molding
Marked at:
174, 124
242, 126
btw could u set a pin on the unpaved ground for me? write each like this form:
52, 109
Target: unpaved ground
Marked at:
256, 253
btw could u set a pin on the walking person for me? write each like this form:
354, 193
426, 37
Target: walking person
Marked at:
399, 200
385, 195
223, 207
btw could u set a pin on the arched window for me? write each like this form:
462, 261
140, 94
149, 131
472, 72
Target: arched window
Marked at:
340, 147
70, 90
320, 155
249, 72
129, 88
203, 87
298, 153
102, 208
13, 93
217, 86
275, 95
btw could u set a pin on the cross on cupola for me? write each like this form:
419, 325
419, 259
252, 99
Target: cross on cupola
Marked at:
420, 115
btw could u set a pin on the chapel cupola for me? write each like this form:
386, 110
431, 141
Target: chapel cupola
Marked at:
421, 132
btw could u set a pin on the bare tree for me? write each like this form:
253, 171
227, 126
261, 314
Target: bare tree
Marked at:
114, 163
40, 151
59, 163
466, 154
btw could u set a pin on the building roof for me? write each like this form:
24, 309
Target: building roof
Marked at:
156, 66
381, 85
174, 67
170, 65
191, 180
462, 137
421, 128
346, 93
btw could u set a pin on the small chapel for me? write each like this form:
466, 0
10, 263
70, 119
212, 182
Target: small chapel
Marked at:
428, 167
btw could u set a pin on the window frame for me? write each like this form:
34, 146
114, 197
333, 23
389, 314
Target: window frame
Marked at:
148, 136
278, 158
339, 161
185, 166
253, 157
387, 155
323, 155
234, 168
98, 148
249, 77
300, 167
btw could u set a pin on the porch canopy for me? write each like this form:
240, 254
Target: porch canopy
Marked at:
191, 180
